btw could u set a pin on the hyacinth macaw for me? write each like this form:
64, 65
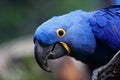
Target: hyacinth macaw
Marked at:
91, 37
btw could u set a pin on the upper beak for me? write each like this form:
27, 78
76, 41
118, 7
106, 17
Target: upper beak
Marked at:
42, 53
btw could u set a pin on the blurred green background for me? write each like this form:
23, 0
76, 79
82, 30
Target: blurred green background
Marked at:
18, 21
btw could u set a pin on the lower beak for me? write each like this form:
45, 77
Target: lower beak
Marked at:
42, 53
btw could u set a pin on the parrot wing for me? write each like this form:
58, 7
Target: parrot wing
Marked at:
105, 25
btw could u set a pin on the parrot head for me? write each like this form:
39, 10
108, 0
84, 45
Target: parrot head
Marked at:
68, 34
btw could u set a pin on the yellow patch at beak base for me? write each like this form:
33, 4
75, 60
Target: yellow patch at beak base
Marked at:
66, 47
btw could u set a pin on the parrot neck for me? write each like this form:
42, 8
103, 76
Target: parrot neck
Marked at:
101, 56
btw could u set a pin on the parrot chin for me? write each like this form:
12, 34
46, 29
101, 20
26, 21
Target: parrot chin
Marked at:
43, 53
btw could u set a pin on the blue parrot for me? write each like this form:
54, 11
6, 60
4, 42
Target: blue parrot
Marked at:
91, 37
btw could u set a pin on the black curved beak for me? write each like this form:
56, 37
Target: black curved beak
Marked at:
42, 53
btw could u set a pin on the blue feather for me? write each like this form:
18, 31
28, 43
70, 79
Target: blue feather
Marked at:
116, 2
106, 26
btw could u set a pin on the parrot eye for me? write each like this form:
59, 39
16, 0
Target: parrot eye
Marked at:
60, 32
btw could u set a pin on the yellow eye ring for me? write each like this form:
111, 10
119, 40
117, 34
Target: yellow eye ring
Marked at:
60, 32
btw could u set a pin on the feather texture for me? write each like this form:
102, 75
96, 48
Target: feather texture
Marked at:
105, 24
116, 2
